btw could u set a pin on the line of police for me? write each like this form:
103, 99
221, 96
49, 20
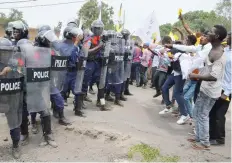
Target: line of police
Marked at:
32, 76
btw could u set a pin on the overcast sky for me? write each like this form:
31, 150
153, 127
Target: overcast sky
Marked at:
136, 10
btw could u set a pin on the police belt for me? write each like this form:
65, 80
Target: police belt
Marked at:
91, 57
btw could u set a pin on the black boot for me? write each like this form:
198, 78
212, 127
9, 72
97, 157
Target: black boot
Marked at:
122, 97
47, 132
127, 92
78, 106
117, 101
103, 106
108, 97
55, 113
15, 150
158, 93
83, 106
62, 120
24, 130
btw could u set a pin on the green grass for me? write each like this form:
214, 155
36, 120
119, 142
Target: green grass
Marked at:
150, 154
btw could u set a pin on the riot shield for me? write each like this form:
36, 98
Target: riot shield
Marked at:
11, 86
128, 56
37, 63
105, 59
115, 70
81, 67
58, 72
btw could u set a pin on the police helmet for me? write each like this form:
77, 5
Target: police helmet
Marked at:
9, 30
72, 24
71, 32
20, 27
97, 27
125, 33
44, 38
44, 28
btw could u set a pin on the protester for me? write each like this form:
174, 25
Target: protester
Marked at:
217, 117
144, 65
211, 76
136, 64
161, 72
176, 79
198, 53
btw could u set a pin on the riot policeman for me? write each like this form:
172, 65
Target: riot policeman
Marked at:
37, 69
58, 71
96, 65
115, 67
20, 31
129, 47
11, 92
69, 49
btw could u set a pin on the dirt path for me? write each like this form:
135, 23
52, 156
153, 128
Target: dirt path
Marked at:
108, 136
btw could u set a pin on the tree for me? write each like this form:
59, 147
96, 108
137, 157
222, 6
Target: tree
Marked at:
90, 12
13, 16
165, 29
223, 8
58, 27
198, 21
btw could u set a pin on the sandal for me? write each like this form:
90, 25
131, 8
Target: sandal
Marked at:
199, 146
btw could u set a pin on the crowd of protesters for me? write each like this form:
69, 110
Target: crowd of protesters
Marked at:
197, 70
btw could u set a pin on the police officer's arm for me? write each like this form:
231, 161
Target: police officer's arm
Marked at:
96, 49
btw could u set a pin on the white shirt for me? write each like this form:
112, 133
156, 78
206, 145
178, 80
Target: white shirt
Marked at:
156, 58
227, 81
201, 53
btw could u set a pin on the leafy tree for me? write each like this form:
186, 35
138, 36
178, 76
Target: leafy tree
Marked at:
223, 8
58, 27
198, 21
165, 29
90, 12
13, 16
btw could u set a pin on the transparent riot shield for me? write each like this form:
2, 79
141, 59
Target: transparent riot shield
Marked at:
81, 67
128, 59
102, 81
11, 85
37, 65
115, 70
58, 72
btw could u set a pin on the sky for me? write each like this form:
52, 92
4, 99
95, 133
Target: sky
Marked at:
136, 10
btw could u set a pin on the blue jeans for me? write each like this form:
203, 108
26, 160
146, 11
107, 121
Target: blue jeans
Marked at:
178, 83
203, 106
136, 72
188, 91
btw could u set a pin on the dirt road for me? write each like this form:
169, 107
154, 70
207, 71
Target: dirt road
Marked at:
108, 136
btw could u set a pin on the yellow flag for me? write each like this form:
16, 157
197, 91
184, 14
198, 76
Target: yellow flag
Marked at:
173, 36
179, 11
120, 11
